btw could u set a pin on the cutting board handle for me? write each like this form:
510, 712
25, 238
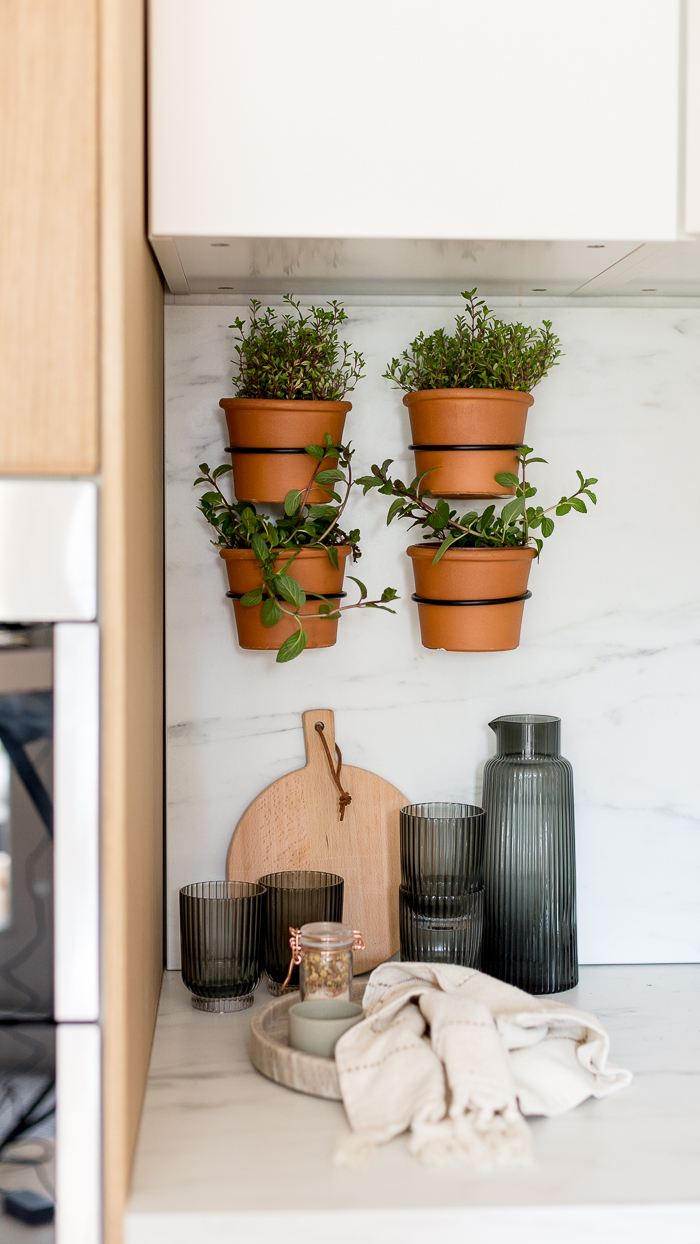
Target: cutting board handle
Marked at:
315, 755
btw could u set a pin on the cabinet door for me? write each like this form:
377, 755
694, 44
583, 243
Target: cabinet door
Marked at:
521, 119
48, 237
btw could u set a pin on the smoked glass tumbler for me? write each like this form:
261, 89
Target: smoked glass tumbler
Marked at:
530, 862
295, 898
442, 849
441, 899
221, 928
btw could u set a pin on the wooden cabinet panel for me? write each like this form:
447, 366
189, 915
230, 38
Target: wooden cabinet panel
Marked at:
48, 237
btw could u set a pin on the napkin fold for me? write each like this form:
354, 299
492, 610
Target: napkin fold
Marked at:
458, 1058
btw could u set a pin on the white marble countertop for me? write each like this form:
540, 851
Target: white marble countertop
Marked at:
227, 1157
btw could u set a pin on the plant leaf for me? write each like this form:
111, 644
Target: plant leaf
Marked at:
513, 509
328, 477
292, 501
333, 557
547, 527
360, 584
507, 479
291, 591
252, 598
444, 547
271, 613
259, 547
579, 505
292, 647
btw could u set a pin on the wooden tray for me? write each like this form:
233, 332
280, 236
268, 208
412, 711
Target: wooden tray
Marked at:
272, 1055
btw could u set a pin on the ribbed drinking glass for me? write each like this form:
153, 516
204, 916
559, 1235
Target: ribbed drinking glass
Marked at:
530, 861
295, 898
221, 925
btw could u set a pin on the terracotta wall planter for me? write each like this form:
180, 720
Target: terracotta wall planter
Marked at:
471, 575
270, 425
313, 569
470, 419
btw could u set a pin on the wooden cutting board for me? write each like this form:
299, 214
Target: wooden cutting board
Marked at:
295, 823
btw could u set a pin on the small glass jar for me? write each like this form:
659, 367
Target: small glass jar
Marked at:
323, 952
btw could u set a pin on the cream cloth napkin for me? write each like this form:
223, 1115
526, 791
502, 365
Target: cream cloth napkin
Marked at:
492, 1052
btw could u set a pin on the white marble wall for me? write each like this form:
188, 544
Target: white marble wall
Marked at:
610, 636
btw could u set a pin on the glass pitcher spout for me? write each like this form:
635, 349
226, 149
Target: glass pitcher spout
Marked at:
527, 734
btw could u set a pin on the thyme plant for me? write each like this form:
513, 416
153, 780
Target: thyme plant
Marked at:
512, 528
298, 356
239, 526
482, 353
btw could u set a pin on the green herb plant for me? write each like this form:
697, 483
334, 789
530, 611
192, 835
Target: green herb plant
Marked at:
239, 526
298, 356
512, 528
482, 353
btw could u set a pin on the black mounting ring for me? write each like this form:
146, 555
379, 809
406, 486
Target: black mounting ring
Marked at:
246, 449
500, 600
309, 594
462, 447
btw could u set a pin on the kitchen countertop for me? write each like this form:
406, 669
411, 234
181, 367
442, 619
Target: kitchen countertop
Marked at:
227, 1157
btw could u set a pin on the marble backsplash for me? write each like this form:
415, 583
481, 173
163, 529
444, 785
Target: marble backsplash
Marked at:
610, 637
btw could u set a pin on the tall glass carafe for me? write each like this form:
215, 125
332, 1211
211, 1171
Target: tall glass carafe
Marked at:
530, 863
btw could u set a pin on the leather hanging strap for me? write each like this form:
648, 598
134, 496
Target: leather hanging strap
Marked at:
344, 797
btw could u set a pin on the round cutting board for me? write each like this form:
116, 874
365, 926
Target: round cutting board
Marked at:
295, 823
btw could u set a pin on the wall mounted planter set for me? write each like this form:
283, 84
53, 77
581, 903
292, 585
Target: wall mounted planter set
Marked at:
468, 444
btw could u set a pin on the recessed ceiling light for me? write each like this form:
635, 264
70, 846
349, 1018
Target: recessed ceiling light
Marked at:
648, 291
219, 243
538, 291
596, 246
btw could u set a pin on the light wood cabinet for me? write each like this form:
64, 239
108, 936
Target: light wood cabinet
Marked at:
49, 237
81, 363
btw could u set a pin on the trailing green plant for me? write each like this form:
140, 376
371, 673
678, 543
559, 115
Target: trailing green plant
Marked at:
512, 528
482, 353
298, 356
239, 526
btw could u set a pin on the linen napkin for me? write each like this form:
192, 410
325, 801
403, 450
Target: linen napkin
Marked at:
458, 1058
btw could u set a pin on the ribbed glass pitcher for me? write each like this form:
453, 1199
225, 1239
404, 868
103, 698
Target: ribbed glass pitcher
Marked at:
530, 863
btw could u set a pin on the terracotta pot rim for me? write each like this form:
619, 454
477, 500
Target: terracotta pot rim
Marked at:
466, 555
279, 404
488, 395
302, 554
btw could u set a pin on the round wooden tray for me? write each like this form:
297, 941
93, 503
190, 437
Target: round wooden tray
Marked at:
271, 1053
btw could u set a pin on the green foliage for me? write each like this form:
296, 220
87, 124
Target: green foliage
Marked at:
511, 528
238, 525
482, 353
298, 356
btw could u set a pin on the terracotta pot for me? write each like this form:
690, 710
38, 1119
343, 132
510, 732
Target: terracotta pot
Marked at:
471, 575
467, 417
265, 424
313, 570
465, 473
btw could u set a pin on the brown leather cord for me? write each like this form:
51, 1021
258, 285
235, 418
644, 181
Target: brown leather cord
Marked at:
344, 798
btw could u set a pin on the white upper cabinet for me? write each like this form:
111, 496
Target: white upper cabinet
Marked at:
412, 119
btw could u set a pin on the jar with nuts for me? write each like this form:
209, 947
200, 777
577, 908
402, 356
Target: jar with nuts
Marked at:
323, 952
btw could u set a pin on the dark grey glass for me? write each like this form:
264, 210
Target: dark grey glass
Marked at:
295, 898
221, 926
442, 848
530, 860
440, 929
442, 876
